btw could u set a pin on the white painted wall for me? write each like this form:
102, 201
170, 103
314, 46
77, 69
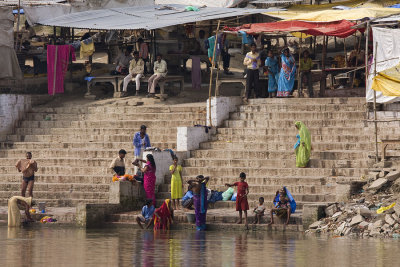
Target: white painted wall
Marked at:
221, 106
189, 138
12, 109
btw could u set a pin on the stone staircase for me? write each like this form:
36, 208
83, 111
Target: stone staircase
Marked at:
75, 144
258, 139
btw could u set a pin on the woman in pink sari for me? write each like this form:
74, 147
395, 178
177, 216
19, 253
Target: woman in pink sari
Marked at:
149, 181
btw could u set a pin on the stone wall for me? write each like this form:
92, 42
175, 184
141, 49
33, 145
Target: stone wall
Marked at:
12, 110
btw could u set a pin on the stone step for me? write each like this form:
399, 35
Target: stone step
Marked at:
59, 195
289, 139
122, 109
317, 146
253, 203
328, 181
76, 137
116, 146
115, 116
295, 115
112, 124
294, 107
273, 171
289, 124
153, 133
253, 197
67, 178
308, 101
214, 215
55, 187
265, 163
62, 202
89, 132
103, 170
65, 161
260, 189
271, 154
57, 154
362, 132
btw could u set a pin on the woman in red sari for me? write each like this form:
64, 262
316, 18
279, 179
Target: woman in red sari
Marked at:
163, 216
149, 179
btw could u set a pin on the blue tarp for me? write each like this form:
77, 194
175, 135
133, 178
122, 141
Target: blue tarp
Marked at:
395, 6
15, 11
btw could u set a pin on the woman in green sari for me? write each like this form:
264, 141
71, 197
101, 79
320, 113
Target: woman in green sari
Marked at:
303, 145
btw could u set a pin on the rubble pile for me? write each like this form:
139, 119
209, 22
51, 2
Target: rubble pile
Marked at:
372, 211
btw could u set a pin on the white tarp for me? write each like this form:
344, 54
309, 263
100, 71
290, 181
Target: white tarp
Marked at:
36, 13
6, 27
145, 17
210, 3
387, 51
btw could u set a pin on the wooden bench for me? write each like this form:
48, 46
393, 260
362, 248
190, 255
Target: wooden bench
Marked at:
117, 81
384, 144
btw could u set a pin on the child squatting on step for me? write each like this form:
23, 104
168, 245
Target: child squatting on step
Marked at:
241, 199
259, 211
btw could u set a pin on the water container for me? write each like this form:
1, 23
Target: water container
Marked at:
42, 207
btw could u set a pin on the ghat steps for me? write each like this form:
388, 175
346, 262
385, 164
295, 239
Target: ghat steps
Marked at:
258, 139
74, 146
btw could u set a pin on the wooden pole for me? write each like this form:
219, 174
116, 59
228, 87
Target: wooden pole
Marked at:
345, 53
211, 75
375, 122
323, 76
358, 51
298, 73
18, 22
366, 63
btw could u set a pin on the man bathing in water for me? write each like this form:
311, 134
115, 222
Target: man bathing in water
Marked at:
28, 167
200, 200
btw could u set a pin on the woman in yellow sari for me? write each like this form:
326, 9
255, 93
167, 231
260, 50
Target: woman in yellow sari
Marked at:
303, 145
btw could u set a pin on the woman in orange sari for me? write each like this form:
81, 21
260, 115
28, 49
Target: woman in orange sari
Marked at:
163, 216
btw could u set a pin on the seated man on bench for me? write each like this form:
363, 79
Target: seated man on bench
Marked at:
136, 70
160, 71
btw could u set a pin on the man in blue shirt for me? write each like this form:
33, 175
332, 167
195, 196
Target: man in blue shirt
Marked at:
147, 214
141, 141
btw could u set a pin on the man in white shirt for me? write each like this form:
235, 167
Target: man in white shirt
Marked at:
136, 70
252, 62
160, 71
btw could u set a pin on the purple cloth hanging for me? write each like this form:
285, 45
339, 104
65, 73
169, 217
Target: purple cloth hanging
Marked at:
196, 72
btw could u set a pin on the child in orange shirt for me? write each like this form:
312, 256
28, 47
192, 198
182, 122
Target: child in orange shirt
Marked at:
241, 199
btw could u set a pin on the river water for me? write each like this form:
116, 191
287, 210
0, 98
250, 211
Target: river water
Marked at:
66, 246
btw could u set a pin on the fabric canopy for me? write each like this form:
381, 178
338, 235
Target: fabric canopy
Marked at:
335, 15
337, 28
388, 82
387, 52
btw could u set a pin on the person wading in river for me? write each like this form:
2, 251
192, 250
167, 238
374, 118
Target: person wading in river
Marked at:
28, 167
200, 200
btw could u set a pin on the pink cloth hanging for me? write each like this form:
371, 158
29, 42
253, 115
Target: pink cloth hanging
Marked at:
196, 72
57, 64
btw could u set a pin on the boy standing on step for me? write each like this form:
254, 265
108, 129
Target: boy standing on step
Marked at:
28, 167
241, 200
